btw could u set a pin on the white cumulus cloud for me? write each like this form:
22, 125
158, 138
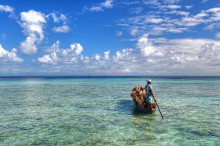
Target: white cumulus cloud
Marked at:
106, 56
145, 47
62, 56
32, 22
77, 47
97, 57
49, 59
7, 56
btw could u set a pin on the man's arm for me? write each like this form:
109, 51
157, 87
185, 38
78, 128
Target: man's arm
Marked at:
151, 91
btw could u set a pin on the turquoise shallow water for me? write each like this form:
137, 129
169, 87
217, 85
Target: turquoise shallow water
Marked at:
100, 111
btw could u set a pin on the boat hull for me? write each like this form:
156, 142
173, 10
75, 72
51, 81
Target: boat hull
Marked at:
138, 95
143, 109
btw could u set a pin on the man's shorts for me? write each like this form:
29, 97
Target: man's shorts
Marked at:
149, 100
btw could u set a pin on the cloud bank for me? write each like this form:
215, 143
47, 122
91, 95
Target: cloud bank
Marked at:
158, 56
151, 54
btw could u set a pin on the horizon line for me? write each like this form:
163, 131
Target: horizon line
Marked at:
107, 76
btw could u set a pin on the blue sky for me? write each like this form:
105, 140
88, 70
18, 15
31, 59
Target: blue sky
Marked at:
110, 37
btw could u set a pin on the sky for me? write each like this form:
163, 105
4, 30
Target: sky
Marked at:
109, 38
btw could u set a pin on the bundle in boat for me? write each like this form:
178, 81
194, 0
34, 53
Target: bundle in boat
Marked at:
138, 95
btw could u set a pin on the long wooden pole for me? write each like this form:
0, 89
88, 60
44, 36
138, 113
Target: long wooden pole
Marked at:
158, 108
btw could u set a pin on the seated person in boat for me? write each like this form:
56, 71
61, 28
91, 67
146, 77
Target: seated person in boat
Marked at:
149, 94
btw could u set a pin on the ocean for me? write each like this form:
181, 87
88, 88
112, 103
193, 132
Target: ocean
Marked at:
100, 111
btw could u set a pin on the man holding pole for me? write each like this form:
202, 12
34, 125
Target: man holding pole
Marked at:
149, 93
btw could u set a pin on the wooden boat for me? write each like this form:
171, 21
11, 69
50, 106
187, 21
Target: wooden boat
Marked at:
138, 95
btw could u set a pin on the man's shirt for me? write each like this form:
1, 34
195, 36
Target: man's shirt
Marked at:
148, 89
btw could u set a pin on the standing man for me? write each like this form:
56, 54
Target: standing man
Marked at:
149, 93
